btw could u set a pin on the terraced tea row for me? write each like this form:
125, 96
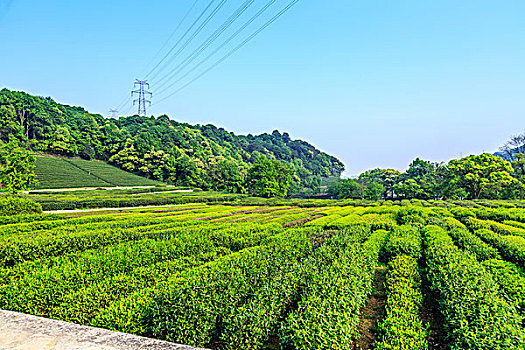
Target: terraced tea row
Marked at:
229, 277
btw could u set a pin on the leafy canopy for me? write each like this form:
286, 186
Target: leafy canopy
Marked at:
16, 167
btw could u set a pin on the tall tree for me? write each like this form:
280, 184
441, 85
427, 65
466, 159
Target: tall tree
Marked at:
481, 173
268, 178
385, 177
16, 167
225, 176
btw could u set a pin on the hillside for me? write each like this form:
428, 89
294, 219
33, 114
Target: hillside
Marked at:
53, 172
158, 148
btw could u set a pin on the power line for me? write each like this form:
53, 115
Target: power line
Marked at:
181, 38
123, 103
226, 42
237, 48
190, 39
172, 34
127, 110
209, 41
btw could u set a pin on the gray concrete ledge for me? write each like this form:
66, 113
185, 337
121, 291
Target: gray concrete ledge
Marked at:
25, 332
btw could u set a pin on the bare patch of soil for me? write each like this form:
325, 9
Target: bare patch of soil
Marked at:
372, 313
431, 316
302, 221
318, 240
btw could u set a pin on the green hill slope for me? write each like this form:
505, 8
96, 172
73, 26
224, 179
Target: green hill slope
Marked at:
156, 147
53, 172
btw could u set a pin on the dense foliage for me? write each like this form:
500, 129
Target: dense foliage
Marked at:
245, 277
16, 168
472, 177
402, 328
158, 148
15, 205
478, 317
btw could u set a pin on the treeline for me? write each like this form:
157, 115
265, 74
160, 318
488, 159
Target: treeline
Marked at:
484, 176
161, 148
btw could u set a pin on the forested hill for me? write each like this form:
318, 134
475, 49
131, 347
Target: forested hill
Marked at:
158, 148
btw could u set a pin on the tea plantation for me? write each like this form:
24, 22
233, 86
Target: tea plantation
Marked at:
253, 277
53, 172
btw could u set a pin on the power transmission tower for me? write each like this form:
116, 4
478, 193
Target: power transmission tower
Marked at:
114, 113
142, 92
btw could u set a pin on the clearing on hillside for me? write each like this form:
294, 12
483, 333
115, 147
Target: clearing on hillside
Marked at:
53, 172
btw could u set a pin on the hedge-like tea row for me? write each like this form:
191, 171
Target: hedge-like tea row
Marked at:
501, 214
374, 221
40, 286
404, 240
477, 316
402, 328
26, 218
15, 250
84, 235
84, 305
328, 313
473, 244
515, 224
476, 224
236, 300
324, 221
62, 222
16, 205
129, 201
451, 223
506, 274
511, 281
511, 248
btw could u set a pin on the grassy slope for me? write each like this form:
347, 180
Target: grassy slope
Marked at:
76, 173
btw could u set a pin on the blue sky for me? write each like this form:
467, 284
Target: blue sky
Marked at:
375, 83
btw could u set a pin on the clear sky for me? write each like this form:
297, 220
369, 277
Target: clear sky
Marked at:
375, 83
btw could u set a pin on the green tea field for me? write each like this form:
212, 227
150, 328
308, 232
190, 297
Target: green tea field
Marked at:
53, 172
383, 276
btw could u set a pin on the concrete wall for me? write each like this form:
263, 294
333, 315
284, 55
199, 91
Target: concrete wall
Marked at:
26, 332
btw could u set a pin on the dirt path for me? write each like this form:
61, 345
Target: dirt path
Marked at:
430, 315
74, 211
87, 189
373, 311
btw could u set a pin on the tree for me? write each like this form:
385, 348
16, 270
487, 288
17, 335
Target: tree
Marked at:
408, 189
152, 164
514, 146
127, 158
182, 171
16, 168
374, 191
225, 176
518, 189
62, 142
480, 174
268, 178
346, 188
47, 126
86, 152
422, 180
385, 177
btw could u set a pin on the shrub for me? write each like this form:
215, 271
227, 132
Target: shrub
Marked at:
17, 205
402, 328
410, 214
476, 314
404, 240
